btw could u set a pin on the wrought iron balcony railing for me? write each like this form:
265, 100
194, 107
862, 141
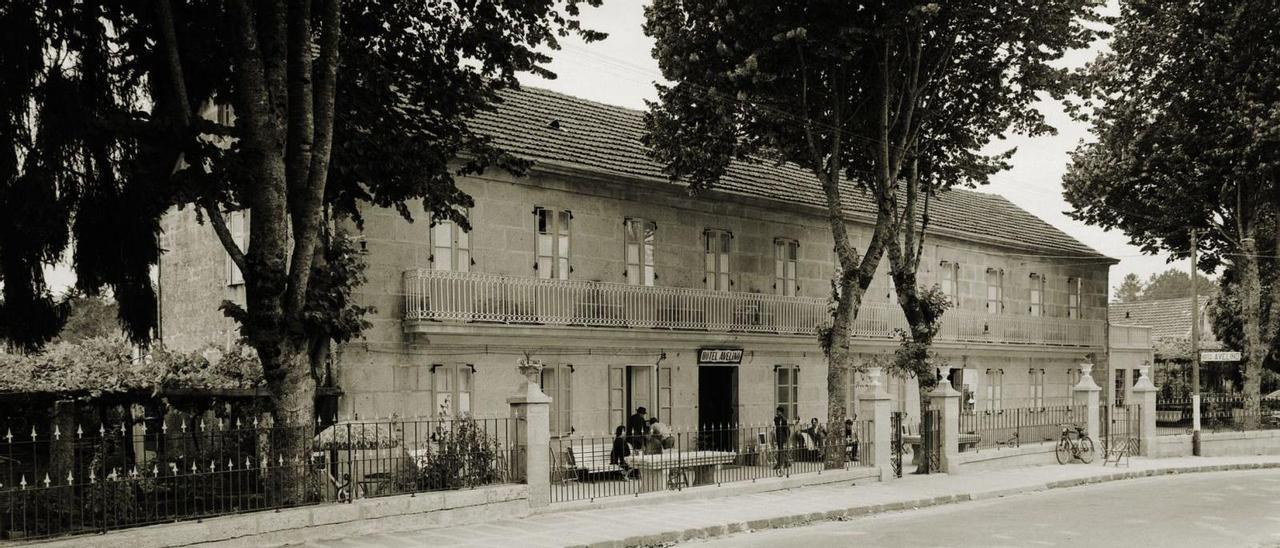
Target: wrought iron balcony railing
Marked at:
473, 297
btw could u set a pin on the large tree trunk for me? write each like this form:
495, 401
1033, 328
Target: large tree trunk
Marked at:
839, 367
293, 389
1256, 346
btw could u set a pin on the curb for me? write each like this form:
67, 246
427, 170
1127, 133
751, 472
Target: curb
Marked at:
793, 520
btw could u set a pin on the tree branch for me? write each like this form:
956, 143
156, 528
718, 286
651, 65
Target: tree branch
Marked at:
308, 213
219, 224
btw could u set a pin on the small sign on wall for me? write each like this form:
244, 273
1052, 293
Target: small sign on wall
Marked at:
1219, 356
719, 356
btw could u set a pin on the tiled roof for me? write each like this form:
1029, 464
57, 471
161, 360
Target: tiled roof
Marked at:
554, 128
1167, 318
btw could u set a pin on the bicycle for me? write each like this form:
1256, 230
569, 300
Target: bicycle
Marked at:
1074, 444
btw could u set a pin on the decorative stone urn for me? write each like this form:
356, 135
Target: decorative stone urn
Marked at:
531, 388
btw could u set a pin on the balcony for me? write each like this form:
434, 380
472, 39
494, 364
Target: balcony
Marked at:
435, 296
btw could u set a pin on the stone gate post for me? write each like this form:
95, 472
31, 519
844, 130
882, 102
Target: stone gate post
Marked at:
534, 436
874, 405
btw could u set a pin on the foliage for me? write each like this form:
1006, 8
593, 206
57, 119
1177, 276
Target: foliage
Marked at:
88, 317
1185, 112
104, 365
913, 357
464, 455
1175, 283
1130, 289
335, 103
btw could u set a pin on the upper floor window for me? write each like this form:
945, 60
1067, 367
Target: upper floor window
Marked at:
639, 251
450, 247
716, 245
786, 384
995, 291
451, 388
553, 243
238, 225
785, 255
1073, 298
557, 382
949, 275
1036, 296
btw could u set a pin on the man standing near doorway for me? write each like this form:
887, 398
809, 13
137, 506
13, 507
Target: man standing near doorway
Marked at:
782, 438
637, 428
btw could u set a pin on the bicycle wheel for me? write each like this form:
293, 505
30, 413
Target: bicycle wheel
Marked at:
1063, 451
1086, 450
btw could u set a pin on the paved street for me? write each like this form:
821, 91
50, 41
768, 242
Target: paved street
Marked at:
1214, 509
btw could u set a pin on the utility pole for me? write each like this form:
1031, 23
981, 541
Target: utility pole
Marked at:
1195, 351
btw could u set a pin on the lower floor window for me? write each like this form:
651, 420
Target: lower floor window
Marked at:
787, 390
452, 388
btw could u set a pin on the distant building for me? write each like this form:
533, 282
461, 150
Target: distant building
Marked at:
702, 309
1169, 321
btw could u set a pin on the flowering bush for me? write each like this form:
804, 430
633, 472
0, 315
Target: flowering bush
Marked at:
103, 365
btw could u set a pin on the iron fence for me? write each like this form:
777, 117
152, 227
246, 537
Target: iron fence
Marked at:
80, 479
1121, 427
1012, 427
1218, 412
597, 466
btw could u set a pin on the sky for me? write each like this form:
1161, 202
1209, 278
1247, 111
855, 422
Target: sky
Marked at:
620, 70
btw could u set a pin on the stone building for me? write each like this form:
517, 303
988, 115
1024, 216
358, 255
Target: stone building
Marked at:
634, 293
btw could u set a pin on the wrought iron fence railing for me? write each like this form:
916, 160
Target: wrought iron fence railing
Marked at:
1012, 427
597, 466
1218, 412
82, 479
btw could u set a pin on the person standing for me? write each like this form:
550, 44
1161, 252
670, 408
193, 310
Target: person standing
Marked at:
620, 451
637, 428
781, 436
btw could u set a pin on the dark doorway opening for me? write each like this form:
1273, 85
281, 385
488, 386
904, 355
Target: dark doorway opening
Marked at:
718, 407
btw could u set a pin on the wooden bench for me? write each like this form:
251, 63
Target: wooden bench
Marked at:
672, 469
590, 458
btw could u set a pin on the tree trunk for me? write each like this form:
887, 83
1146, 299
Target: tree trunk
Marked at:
293, 389
839, 367
1255, 347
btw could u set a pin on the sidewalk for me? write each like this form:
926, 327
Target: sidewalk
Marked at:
666, 522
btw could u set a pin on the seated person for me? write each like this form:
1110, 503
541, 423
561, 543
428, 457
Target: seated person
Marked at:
816, 432
621, 450
660, 436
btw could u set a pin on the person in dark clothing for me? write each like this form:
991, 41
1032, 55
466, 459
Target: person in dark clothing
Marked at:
621, 450
782, 437
638, 428
850, 440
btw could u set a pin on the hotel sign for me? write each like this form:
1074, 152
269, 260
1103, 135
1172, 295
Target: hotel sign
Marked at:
720, 356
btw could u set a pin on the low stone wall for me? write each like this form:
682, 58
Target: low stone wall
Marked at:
995, 459
1220, 444
295, 525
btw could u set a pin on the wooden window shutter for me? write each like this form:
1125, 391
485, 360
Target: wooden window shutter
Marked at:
617, 396
665, 396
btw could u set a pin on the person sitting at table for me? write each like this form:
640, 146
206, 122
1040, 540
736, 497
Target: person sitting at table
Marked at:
660, 436
817, 434
621, 450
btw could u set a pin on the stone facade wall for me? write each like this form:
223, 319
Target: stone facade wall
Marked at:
392, 372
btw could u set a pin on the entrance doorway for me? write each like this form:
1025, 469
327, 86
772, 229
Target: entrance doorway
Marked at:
718, 407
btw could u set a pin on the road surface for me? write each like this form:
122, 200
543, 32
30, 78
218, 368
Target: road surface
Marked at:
1200, 510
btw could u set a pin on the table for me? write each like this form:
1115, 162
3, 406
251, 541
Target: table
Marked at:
655, 470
